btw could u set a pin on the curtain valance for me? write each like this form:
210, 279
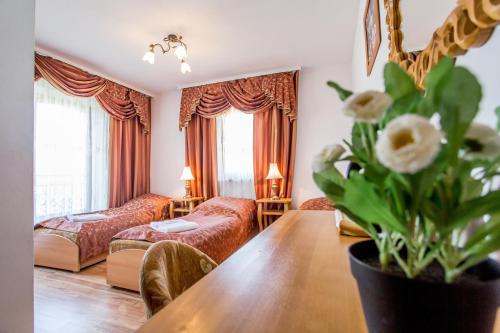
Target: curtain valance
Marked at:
249, 95
120, 102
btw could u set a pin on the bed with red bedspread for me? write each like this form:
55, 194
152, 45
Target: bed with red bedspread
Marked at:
93, 237
225, 224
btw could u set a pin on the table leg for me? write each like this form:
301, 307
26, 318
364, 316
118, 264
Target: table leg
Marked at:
259, 215
171, 209
285, 208
191, 205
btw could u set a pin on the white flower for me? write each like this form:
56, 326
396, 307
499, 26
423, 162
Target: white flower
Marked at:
368, 106
327, 158
482, 141
408, 144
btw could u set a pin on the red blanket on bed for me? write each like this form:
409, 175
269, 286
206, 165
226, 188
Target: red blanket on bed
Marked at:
94, 236
225, 225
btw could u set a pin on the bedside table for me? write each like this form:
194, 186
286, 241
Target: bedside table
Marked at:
183, 205
263, 212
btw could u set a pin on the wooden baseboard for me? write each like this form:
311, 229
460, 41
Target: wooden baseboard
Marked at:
123, 268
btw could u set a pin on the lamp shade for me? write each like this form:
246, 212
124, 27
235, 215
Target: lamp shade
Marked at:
187, 174
149, 57
274, 173
185, 68
180, 52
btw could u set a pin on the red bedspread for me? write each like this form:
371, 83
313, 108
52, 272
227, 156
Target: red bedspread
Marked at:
225, 225
93, 237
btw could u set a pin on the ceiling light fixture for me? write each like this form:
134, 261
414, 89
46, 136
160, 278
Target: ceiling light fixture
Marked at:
172, 42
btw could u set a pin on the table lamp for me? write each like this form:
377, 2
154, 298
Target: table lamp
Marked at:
274, 174
187, 176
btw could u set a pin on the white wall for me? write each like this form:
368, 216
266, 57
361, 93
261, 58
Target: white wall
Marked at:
483, 62
167, 145
16, 167
319, 123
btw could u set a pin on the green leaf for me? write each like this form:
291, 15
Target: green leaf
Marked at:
483, 231
331, 182
412, 102
362, 223
474, 208
343, 93
397, 82
471, 188
438, 72
357, 146
456, 98
481, 250
362, 198
497, 111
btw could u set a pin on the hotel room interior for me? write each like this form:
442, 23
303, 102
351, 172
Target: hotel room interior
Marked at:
250, 166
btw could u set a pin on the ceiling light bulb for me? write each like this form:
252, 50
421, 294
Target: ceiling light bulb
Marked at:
149, 57
185, 67
180, 52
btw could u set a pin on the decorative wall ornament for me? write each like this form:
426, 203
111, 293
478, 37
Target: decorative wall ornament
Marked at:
371, 23
469, 25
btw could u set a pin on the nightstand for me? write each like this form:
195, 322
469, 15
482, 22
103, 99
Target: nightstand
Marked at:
263, 213
183, 205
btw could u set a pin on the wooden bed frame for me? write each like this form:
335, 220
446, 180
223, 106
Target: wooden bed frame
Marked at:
56, 251
123, 268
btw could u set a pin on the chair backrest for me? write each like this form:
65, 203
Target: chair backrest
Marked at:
317, 204
168, 269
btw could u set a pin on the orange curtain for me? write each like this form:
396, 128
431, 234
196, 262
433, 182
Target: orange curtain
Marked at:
120, 102
201, 155
251, 95
274, 142
129, 161
272, 99
130, 111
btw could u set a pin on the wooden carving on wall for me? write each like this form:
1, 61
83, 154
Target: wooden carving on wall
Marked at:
469, 25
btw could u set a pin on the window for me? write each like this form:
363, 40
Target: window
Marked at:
235, 154
71, 153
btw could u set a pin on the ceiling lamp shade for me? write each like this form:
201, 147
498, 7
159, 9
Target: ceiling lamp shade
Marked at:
170, 42
274, 172
187, 174
149, 57
185, 68
180, 52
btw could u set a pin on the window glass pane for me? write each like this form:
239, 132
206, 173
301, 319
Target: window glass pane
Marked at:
70, 136
235, 154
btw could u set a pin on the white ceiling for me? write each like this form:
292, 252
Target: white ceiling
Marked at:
224, 37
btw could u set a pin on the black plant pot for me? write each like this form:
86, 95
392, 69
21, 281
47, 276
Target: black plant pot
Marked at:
394, 303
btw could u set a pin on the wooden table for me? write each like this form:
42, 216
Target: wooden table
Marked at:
263, 213
187, 205
292, 277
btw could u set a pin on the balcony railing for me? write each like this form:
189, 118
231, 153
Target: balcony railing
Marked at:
59, 195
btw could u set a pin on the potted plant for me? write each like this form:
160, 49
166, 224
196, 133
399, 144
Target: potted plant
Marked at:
426, 195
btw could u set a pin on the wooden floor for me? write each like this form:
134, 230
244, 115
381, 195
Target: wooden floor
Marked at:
83, 302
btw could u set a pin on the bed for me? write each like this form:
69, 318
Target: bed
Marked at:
65, 244
225, 224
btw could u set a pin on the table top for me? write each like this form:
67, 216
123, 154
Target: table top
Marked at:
292, 277
269, 200
186, 199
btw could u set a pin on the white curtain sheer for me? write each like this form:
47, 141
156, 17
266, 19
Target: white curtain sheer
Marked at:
235, 154
71, 153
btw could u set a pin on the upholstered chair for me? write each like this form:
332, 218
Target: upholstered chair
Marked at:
168, 269
317, 204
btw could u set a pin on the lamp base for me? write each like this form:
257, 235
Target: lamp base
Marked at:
274, 190
187, 187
